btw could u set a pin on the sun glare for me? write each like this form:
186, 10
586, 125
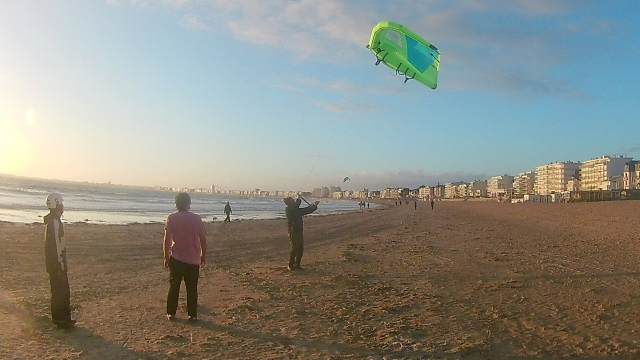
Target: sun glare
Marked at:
13, 154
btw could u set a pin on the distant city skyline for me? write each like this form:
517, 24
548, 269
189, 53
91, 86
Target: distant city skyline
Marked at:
288, 192
276, 94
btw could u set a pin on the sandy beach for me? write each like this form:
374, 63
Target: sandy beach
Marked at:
468, 280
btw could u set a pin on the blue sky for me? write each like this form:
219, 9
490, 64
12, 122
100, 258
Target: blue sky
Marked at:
283, 95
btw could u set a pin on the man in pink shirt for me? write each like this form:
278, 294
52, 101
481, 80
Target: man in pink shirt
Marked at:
185, 249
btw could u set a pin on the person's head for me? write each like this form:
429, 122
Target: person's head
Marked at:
288, 201
54, 203
183, 201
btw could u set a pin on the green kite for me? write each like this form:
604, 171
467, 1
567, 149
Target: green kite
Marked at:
405, 52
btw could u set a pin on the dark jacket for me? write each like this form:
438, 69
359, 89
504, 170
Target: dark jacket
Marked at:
227, 209
294, 214
56, 259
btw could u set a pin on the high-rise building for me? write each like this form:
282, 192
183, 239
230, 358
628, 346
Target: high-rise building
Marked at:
478, 188
553, 178
523, 184
597, 174
499, 185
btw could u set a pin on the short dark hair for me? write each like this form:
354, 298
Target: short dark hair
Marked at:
182, 201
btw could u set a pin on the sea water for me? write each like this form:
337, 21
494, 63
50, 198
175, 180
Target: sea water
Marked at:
22, 200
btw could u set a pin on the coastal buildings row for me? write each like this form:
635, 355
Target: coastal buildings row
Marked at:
556, 180
551, 182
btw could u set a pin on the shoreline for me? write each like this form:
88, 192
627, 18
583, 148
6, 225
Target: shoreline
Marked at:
117, 217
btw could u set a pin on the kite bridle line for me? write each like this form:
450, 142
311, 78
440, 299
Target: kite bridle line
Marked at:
377, 51
305, 200
307, 178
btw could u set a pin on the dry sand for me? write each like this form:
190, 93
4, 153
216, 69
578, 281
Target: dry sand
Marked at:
469, 280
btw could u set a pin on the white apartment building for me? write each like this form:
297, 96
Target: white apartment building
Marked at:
359, 195
426, 192
462, 190
632, 175
499, 184
450, 189
523, 184
391, 193
553, 178
597, 174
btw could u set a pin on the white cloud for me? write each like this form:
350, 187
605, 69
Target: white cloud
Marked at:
193, 22
510, 46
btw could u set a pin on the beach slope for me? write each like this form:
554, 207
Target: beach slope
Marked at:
467, 280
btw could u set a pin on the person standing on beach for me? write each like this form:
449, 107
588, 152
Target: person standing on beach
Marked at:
294, 224
227, 210
56, 262
432, 204
185, 251
415, 205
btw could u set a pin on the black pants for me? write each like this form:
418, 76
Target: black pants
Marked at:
228, 219
179, 270
297, 246
60, 296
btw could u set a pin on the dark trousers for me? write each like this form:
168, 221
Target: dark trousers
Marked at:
60, 296
297, 246
179, 270
228, 219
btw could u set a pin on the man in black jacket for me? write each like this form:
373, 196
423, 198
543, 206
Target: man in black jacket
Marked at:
294, 222
56, 261
227, 211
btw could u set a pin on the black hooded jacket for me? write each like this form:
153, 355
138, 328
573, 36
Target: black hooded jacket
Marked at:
295, 213
52, 241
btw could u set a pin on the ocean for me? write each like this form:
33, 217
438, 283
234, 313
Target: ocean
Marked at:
22, 200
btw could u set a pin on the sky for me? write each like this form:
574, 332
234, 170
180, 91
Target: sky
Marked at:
283, 94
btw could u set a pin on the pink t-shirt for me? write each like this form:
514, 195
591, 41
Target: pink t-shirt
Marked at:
185, 228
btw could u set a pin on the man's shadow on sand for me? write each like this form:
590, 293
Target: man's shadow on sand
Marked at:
478, 352
89, 344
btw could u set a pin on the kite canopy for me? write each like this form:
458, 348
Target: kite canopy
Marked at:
404, 51
345, 179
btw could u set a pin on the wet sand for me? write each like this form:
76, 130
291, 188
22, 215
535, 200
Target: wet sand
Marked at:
468, 280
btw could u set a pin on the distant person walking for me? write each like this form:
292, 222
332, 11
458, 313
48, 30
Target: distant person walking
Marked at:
227, 210
294, 224
185, 251
432, 204
415, 205
56, 262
